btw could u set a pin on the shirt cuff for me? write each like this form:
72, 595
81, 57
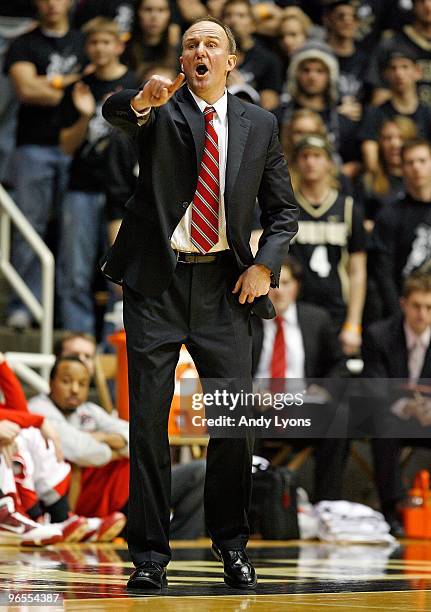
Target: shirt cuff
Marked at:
141, 116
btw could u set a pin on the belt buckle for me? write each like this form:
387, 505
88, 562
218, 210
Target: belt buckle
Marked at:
182, 257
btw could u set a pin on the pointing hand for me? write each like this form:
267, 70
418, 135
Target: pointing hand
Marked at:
157, 91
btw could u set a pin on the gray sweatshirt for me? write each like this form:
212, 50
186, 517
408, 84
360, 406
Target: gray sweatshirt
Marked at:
75, 429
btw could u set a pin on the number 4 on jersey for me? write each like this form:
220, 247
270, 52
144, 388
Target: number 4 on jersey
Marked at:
319, 262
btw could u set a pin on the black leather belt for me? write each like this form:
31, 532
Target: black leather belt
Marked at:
199, 258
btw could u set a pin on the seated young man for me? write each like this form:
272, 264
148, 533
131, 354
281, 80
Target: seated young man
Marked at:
34, 479
89, 436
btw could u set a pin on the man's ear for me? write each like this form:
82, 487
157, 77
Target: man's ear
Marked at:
231, 62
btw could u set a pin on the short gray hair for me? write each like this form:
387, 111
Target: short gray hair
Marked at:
227, 30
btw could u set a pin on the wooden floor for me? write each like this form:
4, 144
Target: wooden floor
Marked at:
293, 577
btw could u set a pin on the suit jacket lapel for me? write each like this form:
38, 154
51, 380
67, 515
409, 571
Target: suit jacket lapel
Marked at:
238, 129
397, 351
195, 120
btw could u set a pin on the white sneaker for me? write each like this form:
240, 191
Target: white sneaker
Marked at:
15, 528
74, 528
104, 529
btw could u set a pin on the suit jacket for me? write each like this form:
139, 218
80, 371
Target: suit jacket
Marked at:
323, 355
384, 351
170, 149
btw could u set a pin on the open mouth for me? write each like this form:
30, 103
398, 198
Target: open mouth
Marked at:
201, 69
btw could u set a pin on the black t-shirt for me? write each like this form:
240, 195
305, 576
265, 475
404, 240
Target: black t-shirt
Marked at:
262, 69
51, 55
88, 169
401, 14
18, 8
373, 203
326, 236
401, 244
121, 11
352, 74
375, 116
374, 16
420, 48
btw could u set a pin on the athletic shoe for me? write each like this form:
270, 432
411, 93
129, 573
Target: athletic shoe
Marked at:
74, 528
104, 529
15, 528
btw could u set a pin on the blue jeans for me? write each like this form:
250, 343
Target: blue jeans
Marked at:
40, 176
82, 232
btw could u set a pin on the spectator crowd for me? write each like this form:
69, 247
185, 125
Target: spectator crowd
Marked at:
349, 82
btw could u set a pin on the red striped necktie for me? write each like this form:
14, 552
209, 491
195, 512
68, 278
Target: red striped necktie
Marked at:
279, 357
206, 201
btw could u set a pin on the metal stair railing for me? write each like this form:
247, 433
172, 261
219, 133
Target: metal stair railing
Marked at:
42, 311
23, 365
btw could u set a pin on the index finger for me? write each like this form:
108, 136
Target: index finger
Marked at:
176, 84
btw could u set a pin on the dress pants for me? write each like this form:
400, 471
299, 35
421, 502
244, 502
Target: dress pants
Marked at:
199, 311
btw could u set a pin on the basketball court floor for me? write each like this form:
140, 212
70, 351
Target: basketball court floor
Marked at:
293, 576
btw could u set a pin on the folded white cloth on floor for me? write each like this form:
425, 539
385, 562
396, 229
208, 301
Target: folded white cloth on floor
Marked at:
307, 519
343, 521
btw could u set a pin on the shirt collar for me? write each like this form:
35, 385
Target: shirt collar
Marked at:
220, 106
290, 315
412, 338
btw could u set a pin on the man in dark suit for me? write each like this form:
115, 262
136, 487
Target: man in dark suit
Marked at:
399, 347
301, 343
182, 254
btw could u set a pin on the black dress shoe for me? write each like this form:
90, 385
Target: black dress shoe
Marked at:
149, 575
238, 571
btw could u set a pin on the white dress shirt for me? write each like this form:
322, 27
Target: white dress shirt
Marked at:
294, 345
417, 347
180, 239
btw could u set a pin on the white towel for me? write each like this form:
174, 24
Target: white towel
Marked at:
343, 521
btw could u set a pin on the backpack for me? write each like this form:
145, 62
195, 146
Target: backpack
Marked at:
273, 511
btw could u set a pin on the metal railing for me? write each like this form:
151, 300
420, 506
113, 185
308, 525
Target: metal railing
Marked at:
42, 311
23, 365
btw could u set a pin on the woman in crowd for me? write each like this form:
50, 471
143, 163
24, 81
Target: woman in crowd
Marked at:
381, 188
295, 28
154, 40
376, 189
